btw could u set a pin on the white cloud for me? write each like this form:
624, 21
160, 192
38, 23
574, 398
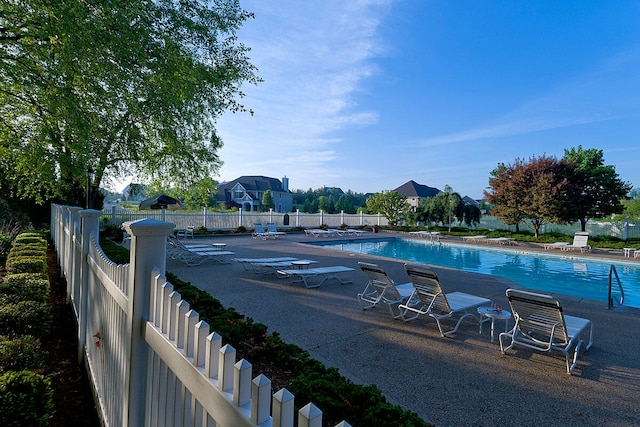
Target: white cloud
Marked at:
313, 56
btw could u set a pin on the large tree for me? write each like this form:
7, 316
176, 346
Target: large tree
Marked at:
539, 190
120, 87
599, 191
391, 204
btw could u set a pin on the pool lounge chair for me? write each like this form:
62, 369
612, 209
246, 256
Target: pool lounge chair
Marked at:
324, 273
270, 267
248, 263
196, 256
541, 325
381, 289
555, 245
264, 233
503, 241
580, 241
317, 232
428, 298
474, 239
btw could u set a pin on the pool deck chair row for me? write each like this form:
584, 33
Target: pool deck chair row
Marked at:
541, 325
381, 289
428, 298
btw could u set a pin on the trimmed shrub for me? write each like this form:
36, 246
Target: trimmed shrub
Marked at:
24, 318
26, 399
20, 353
32, 264
26, 286
30, 238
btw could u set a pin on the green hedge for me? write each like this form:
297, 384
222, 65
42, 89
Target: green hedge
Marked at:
26, 399
26, 286
20, 353
30, 264
24, 318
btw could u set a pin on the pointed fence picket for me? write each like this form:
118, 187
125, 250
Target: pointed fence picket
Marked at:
151, 360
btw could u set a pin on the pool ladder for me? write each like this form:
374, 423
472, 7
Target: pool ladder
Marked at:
612, 272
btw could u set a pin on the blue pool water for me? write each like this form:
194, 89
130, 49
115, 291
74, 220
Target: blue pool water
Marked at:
570, 275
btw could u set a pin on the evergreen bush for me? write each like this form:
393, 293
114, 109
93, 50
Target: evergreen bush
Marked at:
26, 286
24, 318
20, 353
26, 399
26, 264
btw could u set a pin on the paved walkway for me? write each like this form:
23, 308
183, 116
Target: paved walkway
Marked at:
458, 381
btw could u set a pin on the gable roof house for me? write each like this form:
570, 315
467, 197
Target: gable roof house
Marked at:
247, 191
416, 192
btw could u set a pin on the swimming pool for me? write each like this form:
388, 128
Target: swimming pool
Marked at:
568, 275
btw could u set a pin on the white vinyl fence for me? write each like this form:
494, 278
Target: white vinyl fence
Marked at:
151, 360
232, 220
623, 230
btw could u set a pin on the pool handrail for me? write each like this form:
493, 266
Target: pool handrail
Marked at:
612, 271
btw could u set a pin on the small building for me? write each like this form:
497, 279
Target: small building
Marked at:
416, 192
246, 192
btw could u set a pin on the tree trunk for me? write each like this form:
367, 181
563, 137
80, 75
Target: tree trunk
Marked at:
583, 224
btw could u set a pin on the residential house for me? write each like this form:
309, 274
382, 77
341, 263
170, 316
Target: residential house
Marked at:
247, 191
416, 192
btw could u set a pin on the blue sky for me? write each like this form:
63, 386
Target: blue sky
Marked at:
369, 94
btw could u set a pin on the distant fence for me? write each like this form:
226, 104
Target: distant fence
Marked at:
233, 220
623, 230
151, 360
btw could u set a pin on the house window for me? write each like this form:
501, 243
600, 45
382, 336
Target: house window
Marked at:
238, 194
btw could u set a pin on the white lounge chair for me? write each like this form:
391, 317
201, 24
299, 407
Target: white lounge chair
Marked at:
325, 273
555, 245
273, 266
247, 263
273, 231
428, 298
474, 239
196, 256
503, 241
541, 325
317, 232
580, 241
381, 289
262, 232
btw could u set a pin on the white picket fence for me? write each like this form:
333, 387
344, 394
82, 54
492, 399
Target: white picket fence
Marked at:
151, 360
232, 220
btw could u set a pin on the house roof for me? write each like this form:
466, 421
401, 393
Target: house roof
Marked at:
413, 189
252, 183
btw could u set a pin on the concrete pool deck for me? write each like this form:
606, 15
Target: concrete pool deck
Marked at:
462, 380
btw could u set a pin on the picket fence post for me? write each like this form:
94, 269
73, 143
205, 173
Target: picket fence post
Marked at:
148, 251
90, 226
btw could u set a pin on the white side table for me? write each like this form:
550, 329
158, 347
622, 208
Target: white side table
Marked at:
490, 313
629, 252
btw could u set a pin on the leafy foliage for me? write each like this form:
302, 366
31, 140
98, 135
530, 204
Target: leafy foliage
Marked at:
599, 187
26, 286
117, 87
25, 399
539, 190
389, 204
20, 353
446, 206
328, 199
